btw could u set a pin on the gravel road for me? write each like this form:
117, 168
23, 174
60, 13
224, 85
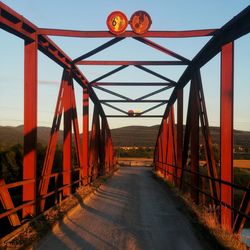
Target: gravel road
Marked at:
131, 211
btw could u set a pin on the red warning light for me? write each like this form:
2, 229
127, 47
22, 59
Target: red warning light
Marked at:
140, 22
117, 22
131, 112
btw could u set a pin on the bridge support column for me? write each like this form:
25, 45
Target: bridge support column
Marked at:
94, 146
164, 147
171, 150
103, 147
226, 124
179, 134
194, 129
85, 136
67, 137
30, 127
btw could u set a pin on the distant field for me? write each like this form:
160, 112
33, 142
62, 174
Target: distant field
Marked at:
128, 161
242, 164
133, 159
237, 163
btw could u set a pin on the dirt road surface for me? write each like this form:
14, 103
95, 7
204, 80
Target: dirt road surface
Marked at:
131, 211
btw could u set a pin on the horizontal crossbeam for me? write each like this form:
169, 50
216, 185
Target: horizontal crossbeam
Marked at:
157, 63
103, 34
131, 84
138, 116
129, 101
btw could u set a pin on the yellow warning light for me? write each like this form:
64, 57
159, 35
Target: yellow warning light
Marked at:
117, 22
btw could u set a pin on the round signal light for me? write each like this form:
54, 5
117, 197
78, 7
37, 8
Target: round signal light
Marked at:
131, 112
140, 22
117, 22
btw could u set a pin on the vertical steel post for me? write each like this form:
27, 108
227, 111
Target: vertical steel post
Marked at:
226, 126
94, 143
30, 126
194, 141
67, 137
171, 145
103, 146
164, 146
179, 134
160, 153
85, 135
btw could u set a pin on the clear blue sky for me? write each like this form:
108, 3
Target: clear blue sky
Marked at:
91, 15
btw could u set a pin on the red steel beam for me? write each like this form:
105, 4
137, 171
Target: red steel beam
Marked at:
171, 145
16, 24
67, 137
160, 152
85, 133
30, 126
126, 116
194, 128
7, 204
130, 84
76, 131
179, 138
98, 49
103, 34
153, 93
156, 63
173, 83
94, 144
140, 101
226, 136
164, 140
244, 208
162, 49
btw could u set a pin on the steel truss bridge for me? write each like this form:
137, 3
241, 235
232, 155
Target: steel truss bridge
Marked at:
176, 150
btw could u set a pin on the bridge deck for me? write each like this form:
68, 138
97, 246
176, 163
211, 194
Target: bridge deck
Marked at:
131, 211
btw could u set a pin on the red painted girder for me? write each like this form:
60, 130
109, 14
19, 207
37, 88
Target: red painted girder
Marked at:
159, 63
16, 24
76, 128
194, 128
245, 209
171, 158
7, 204
126, 116
103, 34
85, 133
164, 140
161, 49
129, 101
30, 125
67, 136
131, 84
226, 136
94, 144
179, 139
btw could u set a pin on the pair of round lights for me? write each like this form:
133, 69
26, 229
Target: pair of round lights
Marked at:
140, 22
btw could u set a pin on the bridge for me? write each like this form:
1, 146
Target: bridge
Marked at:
130, 210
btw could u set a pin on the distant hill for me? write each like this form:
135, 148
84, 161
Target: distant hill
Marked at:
14, 135
125, 136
